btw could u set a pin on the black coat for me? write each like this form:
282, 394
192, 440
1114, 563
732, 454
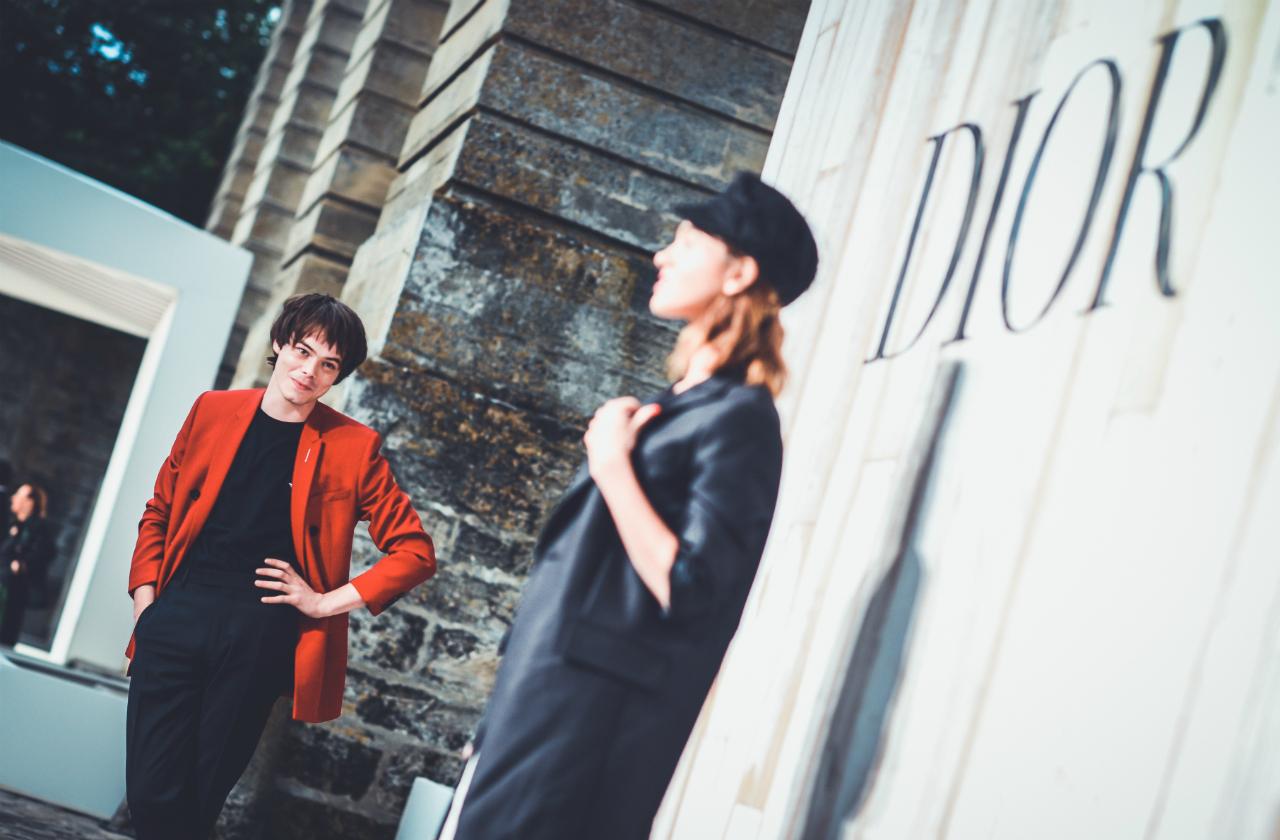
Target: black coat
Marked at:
31, 545
599, 688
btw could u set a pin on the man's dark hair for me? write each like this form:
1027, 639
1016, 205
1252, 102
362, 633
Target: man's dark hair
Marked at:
333, 320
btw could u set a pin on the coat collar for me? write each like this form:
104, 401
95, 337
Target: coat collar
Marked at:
310, 445
672, 404
709, 389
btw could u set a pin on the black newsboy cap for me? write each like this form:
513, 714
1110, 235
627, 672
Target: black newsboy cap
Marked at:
755, 219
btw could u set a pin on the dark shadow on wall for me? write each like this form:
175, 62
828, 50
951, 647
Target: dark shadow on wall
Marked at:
859, 723
66, 383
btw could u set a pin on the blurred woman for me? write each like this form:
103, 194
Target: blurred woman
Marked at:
26, 550
643, 568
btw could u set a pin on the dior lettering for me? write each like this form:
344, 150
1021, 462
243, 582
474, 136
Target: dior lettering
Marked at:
1104, 72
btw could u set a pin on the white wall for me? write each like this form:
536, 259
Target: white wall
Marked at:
195, 280
1096, 649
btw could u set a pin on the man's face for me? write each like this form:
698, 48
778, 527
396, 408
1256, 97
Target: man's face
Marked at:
21, 503
305, 370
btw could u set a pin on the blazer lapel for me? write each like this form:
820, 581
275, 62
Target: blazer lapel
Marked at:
310, 445
220, 463
673, 403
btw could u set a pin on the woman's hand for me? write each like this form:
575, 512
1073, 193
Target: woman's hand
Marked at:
611, 434
293, 590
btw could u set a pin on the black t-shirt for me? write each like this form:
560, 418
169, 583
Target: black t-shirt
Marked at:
250, 518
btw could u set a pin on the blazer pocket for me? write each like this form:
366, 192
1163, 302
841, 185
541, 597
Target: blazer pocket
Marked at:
329, 494
610, 652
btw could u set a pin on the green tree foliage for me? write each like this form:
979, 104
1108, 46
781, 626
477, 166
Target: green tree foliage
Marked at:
143, 95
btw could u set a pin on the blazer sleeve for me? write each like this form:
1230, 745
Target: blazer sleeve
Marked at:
396, 530
153, 528
736, 468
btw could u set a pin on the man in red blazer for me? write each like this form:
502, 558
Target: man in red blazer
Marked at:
241, 575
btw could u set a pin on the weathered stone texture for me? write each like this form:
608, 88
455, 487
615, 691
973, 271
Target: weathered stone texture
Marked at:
661, 52
744, 19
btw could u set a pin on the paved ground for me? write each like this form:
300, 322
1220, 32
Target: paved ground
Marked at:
27, 819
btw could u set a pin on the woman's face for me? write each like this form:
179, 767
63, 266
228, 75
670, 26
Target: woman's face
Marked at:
21, 502
693, 271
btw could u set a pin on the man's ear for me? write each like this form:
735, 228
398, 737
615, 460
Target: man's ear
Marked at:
744, 272
275, 347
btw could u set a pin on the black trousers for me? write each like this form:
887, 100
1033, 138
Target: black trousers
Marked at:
209, 662
16, 592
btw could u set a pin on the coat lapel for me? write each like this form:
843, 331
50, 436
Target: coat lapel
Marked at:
220, 464
310, 445
672, 404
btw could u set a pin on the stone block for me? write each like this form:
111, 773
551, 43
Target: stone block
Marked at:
390, 70
409, 712
258, 119
407, 763
410, 24
292, 142
332, 25
352, 174
661, 52
310, 272
324, 760
317, 65
638, 125
465, 37
284, 45
413, 188
248, 146
306, 105
777, 24
393, 642
262, 275
458, 448
372, 121
479, 545
539, 317
281, 183
270, 84
295, 817
576, 184
223, 215
263, 227
445, 107
331, 226
462, 11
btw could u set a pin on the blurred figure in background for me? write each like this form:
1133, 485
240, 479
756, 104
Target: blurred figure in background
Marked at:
25, 554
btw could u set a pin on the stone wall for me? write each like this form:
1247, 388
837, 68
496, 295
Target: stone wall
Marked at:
67, 382
505, 290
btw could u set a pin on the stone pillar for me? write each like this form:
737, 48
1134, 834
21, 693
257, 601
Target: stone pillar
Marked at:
505, 291
238, 171
285, 162
355, 160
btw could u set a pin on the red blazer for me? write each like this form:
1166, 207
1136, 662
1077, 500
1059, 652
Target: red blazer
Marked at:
339, 477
